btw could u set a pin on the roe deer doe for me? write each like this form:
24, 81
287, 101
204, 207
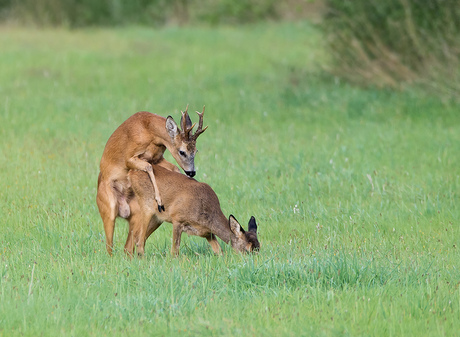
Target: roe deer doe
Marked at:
191, 207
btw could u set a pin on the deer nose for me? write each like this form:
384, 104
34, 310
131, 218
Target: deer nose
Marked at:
191, 174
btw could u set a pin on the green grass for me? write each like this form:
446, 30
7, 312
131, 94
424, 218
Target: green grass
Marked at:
356, 192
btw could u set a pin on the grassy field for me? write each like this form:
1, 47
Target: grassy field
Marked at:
356, 191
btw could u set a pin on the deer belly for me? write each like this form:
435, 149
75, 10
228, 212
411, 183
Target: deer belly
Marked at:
196, 231
153, 153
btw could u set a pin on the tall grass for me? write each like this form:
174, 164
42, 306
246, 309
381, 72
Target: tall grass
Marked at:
355, 190
387, 43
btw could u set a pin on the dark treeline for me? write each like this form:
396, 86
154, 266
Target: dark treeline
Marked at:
81, 13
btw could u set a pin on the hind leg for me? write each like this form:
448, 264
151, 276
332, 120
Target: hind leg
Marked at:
133, 221
141, 221
108, 209
152, 227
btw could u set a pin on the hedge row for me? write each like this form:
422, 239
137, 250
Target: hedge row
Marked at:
390, 42
79, 13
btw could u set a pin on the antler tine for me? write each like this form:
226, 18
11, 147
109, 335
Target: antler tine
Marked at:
187, 131
183, 119
200, 129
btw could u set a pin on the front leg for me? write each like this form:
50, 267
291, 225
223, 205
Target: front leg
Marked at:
138, 164
214, 244
177, 232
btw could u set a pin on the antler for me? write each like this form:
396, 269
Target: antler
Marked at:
183, 120
185, 132
200, 129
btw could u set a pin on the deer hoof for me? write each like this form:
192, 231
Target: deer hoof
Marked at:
161, 208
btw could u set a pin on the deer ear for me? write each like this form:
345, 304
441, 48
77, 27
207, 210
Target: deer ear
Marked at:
188, 121
171, 127
252, 226
235, 227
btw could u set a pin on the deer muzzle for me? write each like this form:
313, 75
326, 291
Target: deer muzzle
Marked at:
191, 174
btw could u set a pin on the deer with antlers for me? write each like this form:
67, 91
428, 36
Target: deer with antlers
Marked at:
137, 144
191, 206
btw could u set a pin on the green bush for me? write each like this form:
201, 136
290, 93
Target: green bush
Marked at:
230, 11
390, 42
79, 13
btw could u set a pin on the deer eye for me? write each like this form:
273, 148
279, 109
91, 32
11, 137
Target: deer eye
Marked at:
182, 153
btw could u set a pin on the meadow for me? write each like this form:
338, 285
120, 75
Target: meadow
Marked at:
355, 190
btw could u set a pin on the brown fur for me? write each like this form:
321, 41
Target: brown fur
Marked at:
138, 143
191, 207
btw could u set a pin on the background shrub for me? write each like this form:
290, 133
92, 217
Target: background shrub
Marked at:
230, 11
387, 43
78, 13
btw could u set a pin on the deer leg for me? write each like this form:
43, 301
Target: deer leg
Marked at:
134, 221
107, 204
161, 207
153, 225
214, 244
139, 239
140, 222
136, 235
143, 221
129, 245
177, 232
139, 164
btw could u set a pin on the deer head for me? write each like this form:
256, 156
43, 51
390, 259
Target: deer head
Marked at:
183, 142
244, 241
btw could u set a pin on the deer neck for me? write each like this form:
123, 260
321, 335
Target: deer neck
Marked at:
158, 128
221, 229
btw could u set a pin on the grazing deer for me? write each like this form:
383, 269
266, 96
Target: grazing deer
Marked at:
191, 207
136, 144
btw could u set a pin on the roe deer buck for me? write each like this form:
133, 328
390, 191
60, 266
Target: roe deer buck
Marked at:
191, 207
138, 143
